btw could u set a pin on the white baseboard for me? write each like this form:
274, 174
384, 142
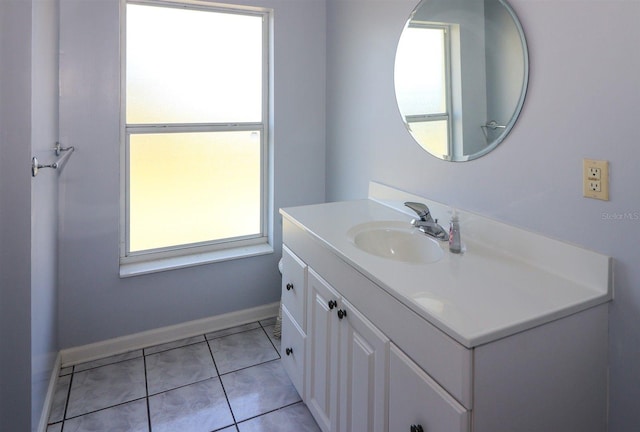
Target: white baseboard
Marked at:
48, 400
81, 354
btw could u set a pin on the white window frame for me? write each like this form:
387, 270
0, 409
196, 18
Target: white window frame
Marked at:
422, 118
148, 261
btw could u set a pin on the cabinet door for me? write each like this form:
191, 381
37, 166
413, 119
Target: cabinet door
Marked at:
322, 352
363, 377
416, 399
293, 350
293, 286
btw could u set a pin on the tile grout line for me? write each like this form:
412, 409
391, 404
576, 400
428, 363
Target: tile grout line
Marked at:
107, 364
146, 388
66, 404
174, 348
181, 386
105, 408
204, 379
270, 340
235, 423
273, 410
66, 401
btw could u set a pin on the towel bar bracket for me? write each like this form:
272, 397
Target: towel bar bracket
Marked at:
35, 166
59, 149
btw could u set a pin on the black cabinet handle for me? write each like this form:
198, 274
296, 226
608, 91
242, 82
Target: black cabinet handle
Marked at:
342, 313
289, 351
289, 286
416, 428
332, 304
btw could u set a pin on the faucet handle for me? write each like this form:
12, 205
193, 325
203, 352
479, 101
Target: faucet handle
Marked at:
421, 210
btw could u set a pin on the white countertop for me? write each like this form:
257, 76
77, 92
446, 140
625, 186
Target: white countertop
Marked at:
484, 294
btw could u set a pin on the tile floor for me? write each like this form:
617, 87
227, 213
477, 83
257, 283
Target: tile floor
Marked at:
230, 380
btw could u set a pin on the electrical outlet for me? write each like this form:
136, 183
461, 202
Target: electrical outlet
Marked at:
595, 179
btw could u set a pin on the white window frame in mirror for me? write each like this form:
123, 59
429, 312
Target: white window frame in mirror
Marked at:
414, 121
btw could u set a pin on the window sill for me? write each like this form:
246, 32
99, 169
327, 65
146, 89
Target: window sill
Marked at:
172, 263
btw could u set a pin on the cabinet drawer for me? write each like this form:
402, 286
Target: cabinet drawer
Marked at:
294, 273
416, 399
292, 351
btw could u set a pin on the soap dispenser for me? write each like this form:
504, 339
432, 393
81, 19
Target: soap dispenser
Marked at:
455, 245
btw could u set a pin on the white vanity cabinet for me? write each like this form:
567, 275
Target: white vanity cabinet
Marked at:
377, 360
355, 379
347, 363
294, 294
322, 353
363, 373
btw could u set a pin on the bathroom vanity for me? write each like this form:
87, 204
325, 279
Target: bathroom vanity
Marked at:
509, 336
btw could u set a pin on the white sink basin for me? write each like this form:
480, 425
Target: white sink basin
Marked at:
395, 240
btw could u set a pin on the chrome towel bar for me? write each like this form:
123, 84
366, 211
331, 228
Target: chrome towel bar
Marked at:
58, 149
493, 125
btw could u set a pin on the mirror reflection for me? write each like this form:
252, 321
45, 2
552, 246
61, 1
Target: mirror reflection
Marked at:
461, 74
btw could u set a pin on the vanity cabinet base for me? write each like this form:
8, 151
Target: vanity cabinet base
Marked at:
369, 354
551, 378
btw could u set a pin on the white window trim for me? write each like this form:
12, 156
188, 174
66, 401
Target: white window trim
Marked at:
156, 260
420, 118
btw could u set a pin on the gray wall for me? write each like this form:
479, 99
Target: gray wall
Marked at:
583, 101
28, 217
95, 304
15, 208
505, 66
44, 201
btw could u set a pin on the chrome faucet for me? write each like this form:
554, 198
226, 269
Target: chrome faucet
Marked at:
425, 223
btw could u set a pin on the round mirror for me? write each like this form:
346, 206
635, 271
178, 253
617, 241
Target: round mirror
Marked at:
461, 75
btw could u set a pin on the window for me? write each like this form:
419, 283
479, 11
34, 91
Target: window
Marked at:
425, 93
195, 104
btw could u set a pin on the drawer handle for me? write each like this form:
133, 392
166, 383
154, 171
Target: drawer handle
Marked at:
289, 286
332, 304
289, 351
416, 428
342, 313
